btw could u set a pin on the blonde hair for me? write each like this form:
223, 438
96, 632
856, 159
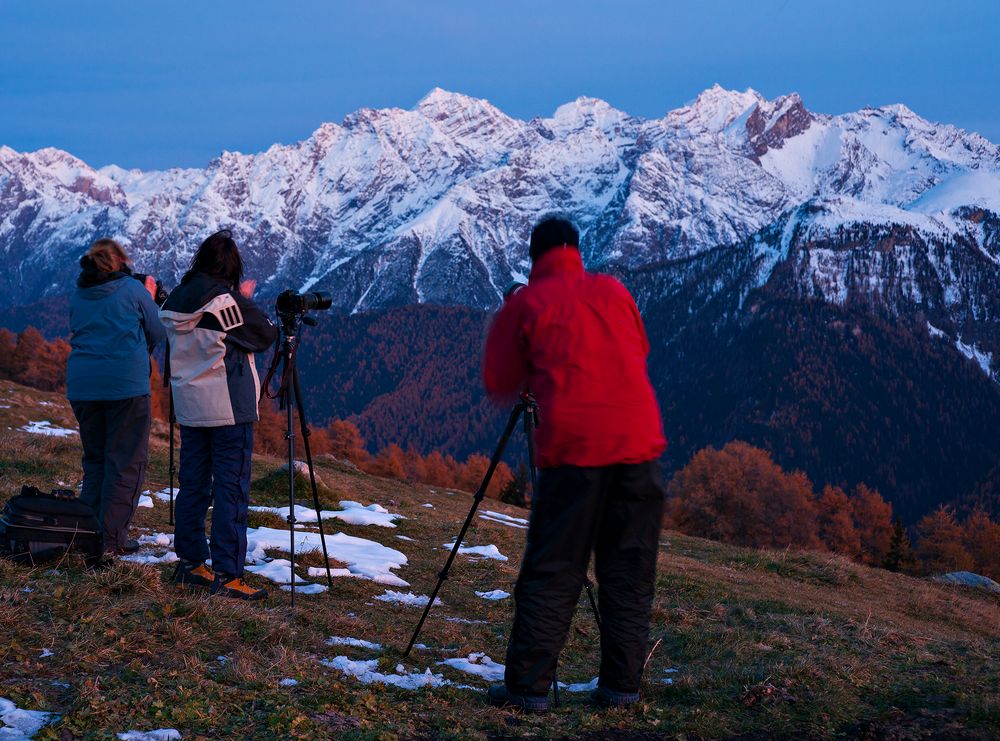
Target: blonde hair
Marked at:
108, 256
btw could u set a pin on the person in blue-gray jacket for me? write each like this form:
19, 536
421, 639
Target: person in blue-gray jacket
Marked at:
114, 326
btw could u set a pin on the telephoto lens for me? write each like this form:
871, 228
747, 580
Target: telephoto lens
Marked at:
512, 289
291, 302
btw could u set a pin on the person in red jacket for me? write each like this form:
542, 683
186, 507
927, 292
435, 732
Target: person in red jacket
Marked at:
576, 340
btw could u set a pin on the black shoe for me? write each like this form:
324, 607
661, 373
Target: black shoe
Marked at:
500, 697
127, 548
610, 699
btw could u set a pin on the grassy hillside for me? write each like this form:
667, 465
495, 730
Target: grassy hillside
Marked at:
764, 644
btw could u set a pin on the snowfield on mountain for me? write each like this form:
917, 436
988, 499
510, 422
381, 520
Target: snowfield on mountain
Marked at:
434, 204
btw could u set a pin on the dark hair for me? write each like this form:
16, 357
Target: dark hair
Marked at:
551, 232
218, 257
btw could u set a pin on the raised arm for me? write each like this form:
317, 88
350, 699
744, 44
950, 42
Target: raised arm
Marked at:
149, 314
256, 334
505, 360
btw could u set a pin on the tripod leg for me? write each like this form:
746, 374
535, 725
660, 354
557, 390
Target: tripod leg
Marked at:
304, 429
589, 586
476, 500
172, 468
290, 436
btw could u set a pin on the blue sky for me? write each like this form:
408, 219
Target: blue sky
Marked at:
153, 84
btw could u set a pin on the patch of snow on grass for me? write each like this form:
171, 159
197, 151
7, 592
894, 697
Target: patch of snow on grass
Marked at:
279, 571
353, 513
428, 505
145, 501
483, 551
164, 494
580, 686
161, 734
164, 540
367, 672
403, 537
503, 519
496, 594
407, 598
357, 642
306, 588
365, 559
44, 427
288, 682
479, 664
149, 559
17, 723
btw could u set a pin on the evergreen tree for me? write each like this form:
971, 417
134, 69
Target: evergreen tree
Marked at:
515, 491
900, 555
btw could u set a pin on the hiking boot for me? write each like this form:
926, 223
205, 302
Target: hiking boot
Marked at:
125, 549
501, 697
194, 574
610, 699
234, 586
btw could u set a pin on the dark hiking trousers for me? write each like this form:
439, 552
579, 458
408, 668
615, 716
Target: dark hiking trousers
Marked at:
215, 469
115, 438
616, 513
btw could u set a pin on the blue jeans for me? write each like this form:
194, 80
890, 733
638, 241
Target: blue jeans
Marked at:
215, 469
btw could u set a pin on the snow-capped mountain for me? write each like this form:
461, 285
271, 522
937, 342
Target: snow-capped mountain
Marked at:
434, 204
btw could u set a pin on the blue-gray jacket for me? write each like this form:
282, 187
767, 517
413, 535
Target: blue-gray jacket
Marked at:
114, 325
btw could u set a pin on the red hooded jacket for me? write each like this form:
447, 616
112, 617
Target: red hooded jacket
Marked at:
577, 341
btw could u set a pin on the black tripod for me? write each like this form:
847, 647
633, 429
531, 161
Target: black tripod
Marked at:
528, 407
289, 395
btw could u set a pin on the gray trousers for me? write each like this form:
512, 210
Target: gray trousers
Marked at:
115, 437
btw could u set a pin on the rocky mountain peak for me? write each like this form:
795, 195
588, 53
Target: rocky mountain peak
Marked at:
717, 108
771, 123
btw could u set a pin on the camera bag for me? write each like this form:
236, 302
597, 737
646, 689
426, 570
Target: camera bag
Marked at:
36, 527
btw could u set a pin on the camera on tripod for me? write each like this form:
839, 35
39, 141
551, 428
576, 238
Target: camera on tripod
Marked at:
291, 303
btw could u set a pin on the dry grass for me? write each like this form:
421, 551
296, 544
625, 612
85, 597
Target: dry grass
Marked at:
766, 644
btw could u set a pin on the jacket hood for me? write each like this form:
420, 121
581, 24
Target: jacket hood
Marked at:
95, 284
97, 291
187, 303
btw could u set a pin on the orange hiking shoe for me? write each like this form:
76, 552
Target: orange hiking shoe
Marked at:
235, 587
195, 574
